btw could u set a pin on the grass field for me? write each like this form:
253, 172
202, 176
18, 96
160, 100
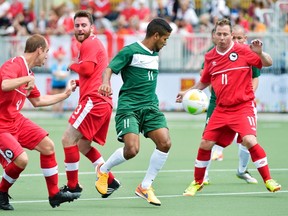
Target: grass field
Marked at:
226, 196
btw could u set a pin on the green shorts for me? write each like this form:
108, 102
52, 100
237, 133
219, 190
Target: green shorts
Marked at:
144, 121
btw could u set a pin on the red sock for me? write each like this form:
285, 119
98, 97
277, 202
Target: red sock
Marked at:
258, 157
72, 158
201, 163
11, 174
93, 155
50, 171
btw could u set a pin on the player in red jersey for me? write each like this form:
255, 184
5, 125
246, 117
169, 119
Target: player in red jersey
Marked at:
227, 68
17, 83
90, 120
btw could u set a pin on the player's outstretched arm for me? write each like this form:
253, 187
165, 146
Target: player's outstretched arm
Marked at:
47, 100
256, 46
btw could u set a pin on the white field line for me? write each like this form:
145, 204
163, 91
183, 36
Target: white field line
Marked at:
163, 196
162, 171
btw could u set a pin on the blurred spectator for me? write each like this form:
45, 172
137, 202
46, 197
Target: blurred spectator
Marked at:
242, 20
4, 9
127, 10
286, 26
65, 23
60, 77
161, 9
219, 9
143, 11
257, 26
42, 23
16, 8
101, 8
187, 13
258, 10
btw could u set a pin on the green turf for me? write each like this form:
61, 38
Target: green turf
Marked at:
227, 195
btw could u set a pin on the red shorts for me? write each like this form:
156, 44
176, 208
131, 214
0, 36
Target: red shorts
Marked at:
25, 134
225, 123
92, 120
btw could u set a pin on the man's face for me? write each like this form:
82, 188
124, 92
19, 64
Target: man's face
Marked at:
161, 42
82, 28
223, 37
239, 37
42, 56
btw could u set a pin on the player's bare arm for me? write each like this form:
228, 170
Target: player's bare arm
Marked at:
256, 46
47, 100
105, 89
11, 84
198, 85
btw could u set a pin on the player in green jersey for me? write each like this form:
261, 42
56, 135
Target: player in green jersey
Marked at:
239, 36
138, 107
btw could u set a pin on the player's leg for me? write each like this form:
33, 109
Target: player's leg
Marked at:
127, 127
13, 162
72, 157
49, 168
242, 171
217, 153
258, 156
96, 158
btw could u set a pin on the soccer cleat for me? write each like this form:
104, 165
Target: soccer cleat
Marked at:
148, 195
206, 181
77, 189
272, 185
62, 197
4, 201
192, 189
111, 188
217, 156
101, 183
246, 176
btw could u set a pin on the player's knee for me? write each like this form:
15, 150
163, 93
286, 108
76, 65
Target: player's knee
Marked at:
165, 145
22, 160
130, 152
46, 146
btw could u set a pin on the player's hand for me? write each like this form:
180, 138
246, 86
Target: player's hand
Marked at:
256, 46
71, 87
179, 97
30, 85
105, 90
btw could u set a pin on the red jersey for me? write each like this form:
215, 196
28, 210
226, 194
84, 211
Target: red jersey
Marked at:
11, 102
230, 74
92, 50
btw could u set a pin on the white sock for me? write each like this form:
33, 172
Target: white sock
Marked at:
244, 157
115, 159
157, 161
100, 160
206, 175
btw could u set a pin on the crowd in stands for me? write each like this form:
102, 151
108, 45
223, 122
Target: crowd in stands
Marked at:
130, 17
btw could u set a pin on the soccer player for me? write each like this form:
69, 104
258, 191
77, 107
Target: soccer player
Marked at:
227, 68
90, 120
138, 109
17, 83
239, 36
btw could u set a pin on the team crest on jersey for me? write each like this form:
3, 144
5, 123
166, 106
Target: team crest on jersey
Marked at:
233, 56
8, 153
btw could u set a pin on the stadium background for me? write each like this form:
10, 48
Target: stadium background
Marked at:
180, 60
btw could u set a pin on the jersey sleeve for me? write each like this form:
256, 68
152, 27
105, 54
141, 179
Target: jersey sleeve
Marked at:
205, 77
255, 72
121, 60
34, 93
10, 71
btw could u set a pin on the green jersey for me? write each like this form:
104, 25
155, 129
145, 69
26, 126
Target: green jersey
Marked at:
139, 70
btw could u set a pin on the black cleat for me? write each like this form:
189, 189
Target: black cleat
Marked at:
78, 189
61, 197
111, 188
4, 201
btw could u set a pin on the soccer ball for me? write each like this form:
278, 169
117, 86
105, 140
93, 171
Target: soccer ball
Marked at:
195, 102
